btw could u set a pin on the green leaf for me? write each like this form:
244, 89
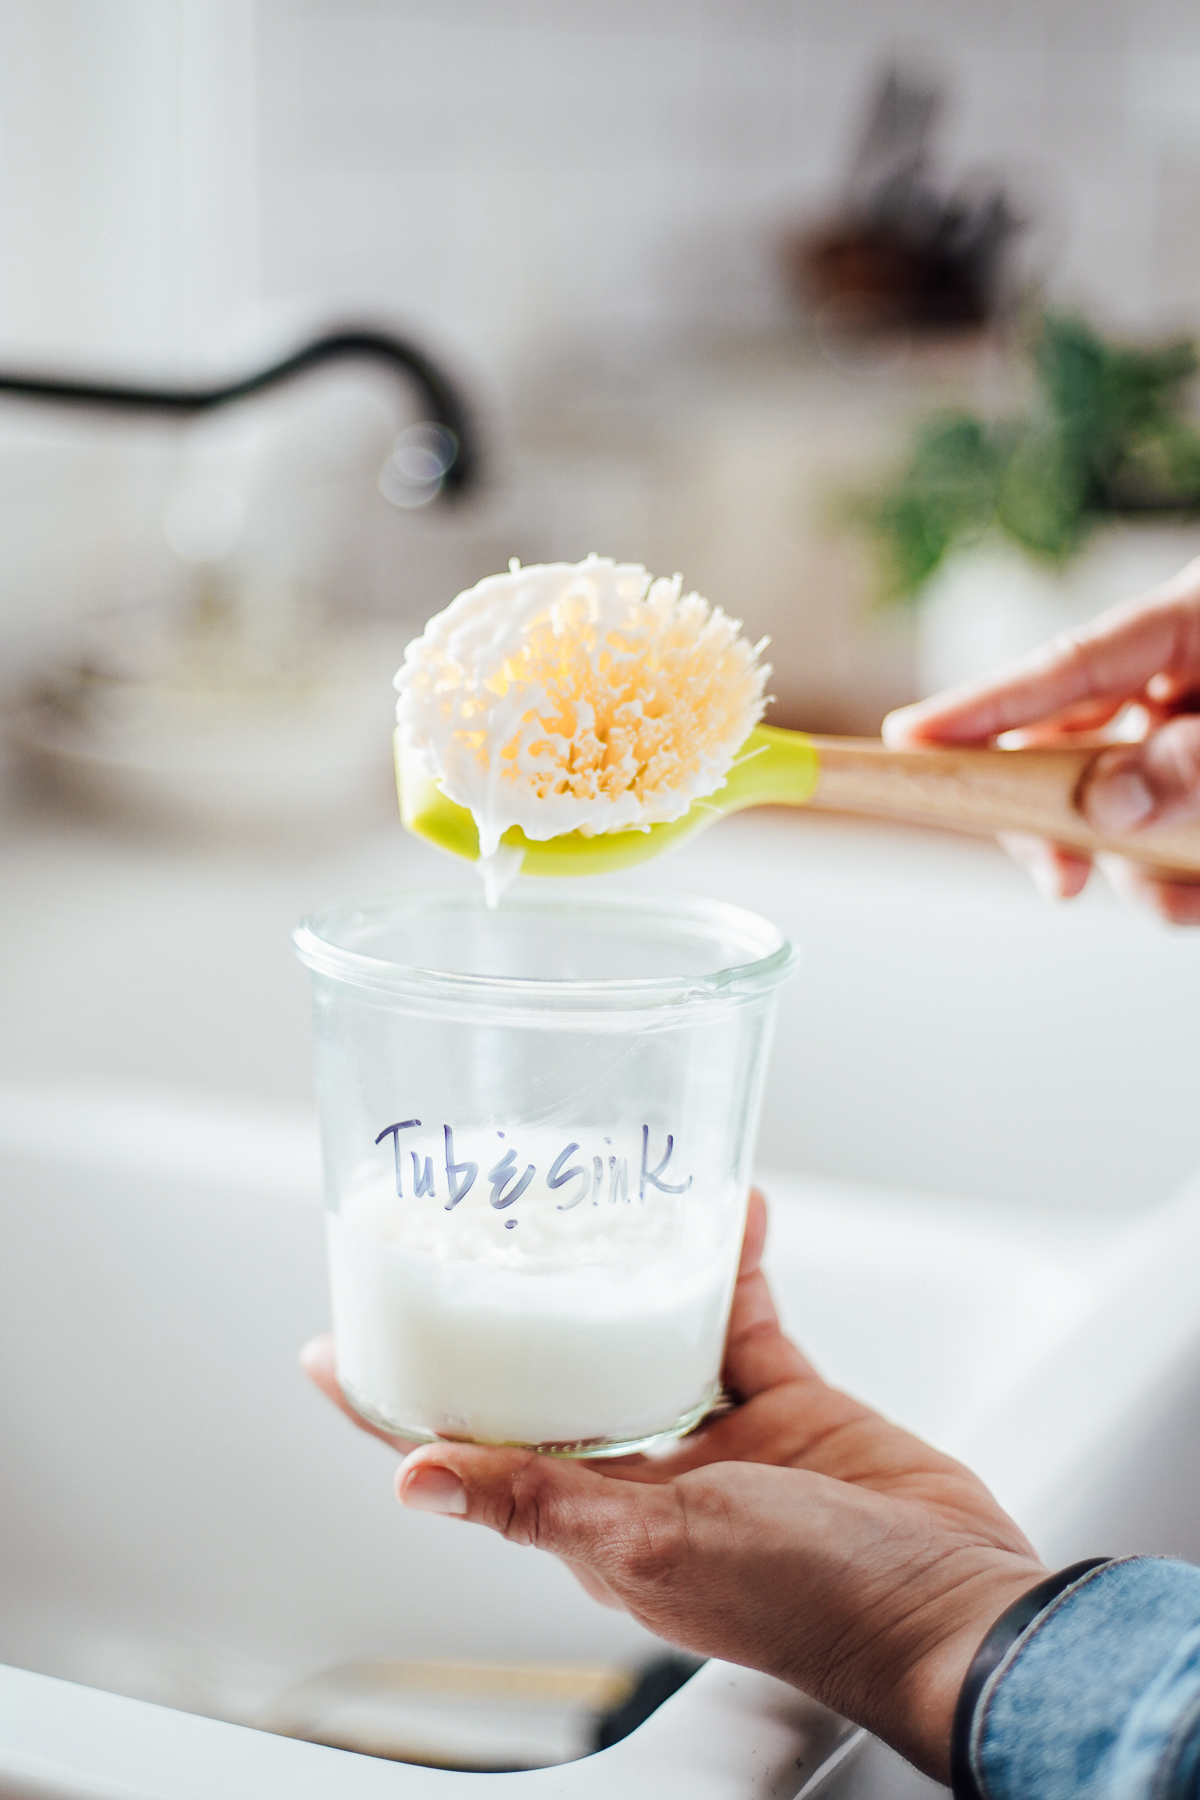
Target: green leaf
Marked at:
1110, 434
1043, 493
946, 492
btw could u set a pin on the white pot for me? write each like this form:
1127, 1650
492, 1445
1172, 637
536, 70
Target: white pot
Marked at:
993, 602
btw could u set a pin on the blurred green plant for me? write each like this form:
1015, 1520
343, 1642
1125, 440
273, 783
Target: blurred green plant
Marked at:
1109, 436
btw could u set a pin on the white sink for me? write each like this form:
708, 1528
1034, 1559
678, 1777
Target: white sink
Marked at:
977, 1143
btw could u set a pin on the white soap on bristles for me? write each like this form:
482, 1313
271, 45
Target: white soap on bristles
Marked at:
584, 697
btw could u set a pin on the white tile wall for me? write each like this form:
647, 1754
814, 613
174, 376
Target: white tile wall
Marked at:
127, 180
508, 173
502, 173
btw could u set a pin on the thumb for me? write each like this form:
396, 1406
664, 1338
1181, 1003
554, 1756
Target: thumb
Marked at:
611, 1526
1134, 785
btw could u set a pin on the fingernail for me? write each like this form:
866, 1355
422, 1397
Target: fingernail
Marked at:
1038, 862
893, 727
430, 1489
1047, 881
1119, 801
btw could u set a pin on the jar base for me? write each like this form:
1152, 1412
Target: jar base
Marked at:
589, 1447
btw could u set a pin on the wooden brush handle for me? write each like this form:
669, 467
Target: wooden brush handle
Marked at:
984, 791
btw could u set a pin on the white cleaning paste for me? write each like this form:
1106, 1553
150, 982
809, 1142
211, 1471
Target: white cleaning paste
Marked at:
583, 1303
578, 697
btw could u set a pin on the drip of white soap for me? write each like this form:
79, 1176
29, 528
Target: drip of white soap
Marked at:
577, 697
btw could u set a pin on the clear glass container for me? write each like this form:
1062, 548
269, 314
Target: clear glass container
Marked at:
537, 1126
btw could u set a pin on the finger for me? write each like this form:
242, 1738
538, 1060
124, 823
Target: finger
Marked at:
1116, 655
754, 1233
591, 1521
1135, 785
317, 1361
1178, 902
1056, 872
1074, 725
1180, 693
757, 1354
669, 1554
645, 1544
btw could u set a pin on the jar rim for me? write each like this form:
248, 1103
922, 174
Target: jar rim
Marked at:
761, 957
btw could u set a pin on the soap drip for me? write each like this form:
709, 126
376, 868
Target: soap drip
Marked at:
498, 872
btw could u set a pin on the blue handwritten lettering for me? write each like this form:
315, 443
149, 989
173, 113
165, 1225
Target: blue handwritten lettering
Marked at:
468, 1170
653, 1176
558, 1177
502, 1174
422, 1180
394, 1131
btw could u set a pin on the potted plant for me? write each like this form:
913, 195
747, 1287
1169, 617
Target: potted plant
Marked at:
1007, 530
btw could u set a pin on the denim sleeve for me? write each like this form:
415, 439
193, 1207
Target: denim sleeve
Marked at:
1101, 1696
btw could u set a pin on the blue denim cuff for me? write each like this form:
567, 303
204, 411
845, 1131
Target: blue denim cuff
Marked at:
1101, 1695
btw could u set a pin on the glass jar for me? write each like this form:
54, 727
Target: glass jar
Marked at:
537, 1127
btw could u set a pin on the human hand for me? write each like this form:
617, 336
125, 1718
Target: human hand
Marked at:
1144, 654
800, 1534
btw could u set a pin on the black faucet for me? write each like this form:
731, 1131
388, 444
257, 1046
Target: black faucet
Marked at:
443, 405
